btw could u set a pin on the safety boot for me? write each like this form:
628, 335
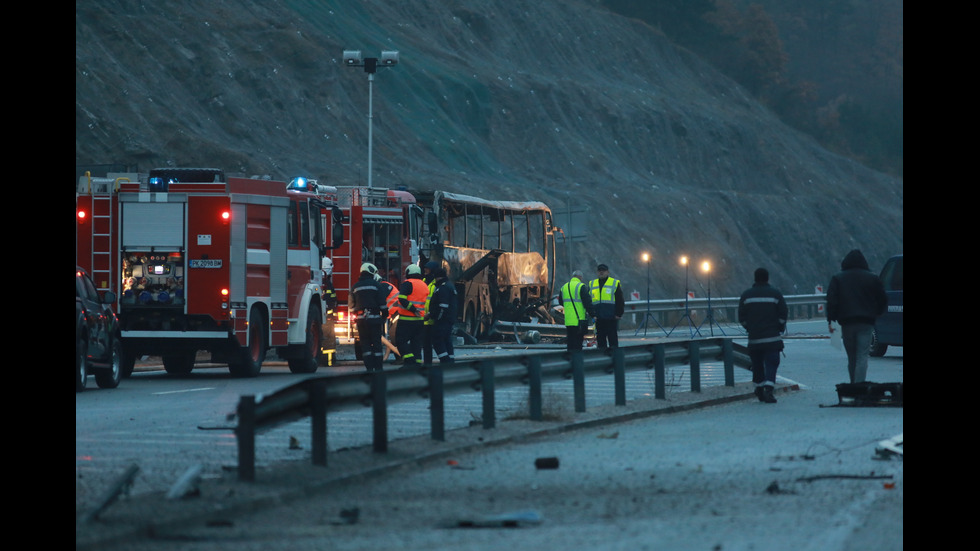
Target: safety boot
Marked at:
767, 395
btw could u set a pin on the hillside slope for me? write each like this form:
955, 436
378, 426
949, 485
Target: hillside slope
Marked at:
554, 101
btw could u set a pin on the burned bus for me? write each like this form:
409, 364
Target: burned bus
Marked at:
500, 254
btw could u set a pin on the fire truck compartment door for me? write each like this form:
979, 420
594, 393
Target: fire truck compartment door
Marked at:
157, 225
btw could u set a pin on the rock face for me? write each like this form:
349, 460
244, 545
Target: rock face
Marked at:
637, 145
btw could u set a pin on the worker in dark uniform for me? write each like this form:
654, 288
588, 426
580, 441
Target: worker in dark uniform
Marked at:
367, 302
443, 309
609, 305
429, 277
762, 312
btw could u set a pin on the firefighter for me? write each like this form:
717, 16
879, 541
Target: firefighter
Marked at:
368, 304
609, 306
442, 310
577, 303
429, 277
411, 313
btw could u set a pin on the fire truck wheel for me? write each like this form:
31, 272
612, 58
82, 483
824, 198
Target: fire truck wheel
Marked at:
308, 358
110, 378
180, 363
81, 370
250, 357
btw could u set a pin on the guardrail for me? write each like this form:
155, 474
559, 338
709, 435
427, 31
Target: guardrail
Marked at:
668, 316
314, 397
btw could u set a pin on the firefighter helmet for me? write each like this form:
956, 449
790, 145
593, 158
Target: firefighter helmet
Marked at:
327, 266
413, 269
369, 268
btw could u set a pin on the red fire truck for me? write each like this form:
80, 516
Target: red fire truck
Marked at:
380, 223
201, 262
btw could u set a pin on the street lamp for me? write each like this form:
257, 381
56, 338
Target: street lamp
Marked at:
649, 315
706, 268
353, 58
646, 259
687, 295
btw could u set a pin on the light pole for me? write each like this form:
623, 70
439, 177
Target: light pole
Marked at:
353, 58
646, 258
687, 295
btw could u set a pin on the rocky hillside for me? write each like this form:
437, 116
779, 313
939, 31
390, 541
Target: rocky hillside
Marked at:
558, 101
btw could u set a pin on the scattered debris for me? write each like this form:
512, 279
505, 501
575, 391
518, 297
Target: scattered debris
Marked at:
515, 519
188, 485
120, 486
774, 489
871, 476
610, 435
294, 443
546, 463
892, 448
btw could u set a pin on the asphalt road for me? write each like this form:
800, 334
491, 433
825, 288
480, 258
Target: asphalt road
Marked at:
710, 470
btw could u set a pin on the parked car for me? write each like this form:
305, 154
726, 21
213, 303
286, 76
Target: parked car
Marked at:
888, 329
97, 346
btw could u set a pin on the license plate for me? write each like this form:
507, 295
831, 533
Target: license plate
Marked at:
206, 263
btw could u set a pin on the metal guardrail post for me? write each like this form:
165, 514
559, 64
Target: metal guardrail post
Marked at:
578, 379
728, 356
694, 351
619, 375
489, 397
318, 418
379, 405
660, 371
534, 388
437, 403
245, 434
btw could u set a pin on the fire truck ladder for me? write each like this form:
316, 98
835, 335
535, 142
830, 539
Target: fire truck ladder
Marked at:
102, 257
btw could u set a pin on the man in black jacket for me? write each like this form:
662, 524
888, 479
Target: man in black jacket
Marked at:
762, 312
367, 302
855, 297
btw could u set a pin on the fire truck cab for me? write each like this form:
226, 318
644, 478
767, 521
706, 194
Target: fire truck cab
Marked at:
201, 262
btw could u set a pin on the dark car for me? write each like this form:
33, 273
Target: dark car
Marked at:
98, 349
889, 327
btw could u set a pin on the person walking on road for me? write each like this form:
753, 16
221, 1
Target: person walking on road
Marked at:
443, 309
855, 297
410, 308
577, 302
762, 311
609, 305
367, 302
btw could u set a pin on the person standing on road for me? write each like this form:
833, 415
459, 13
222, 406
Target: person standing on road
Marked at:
762, 311
609, 305
442, 310
410, 308
577, 302
367, 302
855, 297
429, 277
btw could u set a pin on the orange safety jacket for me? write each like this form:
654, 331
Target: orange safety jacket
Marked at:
420, 292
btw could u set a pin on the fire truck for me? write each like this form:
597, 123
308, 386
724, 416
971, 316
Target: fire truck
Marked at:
201, 262
380, 224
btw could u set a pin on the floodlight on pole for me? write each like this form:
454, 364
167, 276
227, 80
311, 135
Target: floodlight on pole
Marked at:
354, 58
